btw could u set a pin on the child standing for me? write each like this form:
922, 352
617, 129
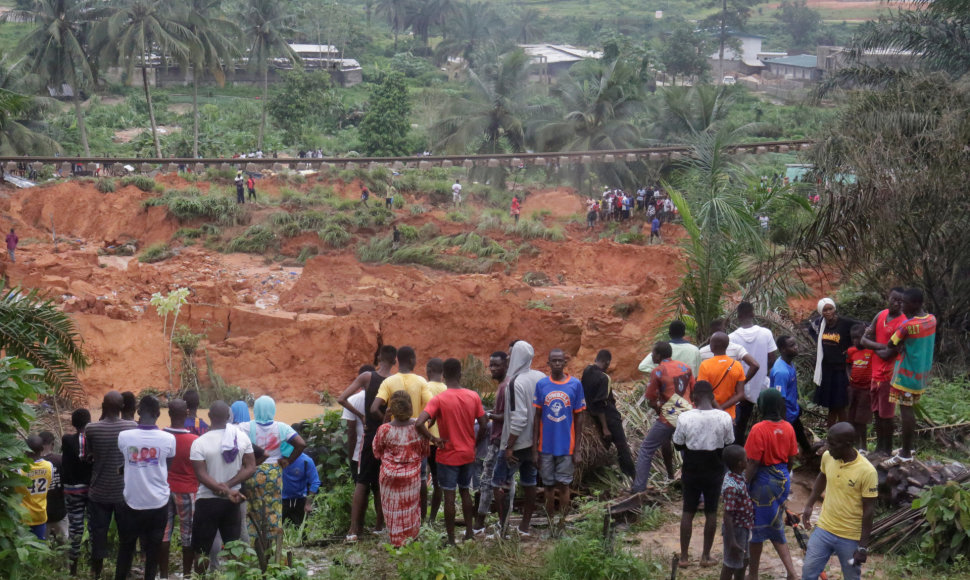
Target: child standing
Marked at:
858, 361
738, 514
400, 448
34, 500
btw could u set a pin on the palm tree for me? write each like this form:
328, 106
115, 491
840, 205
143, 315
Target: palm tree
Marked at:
34, 329
133, 32
20, 123
526, 25
215, 49
474, 24
493, 119
267, 25
687, 111
396, 13
56, 49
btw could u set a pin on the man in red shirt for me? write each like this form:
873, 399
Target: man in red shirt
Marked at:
669, 378
455, 412
183, 484
883, 326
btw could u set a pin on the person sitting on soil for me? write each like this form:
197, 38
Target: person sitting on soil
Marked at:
670, 378
192, 420
601, 402
401, 450
34, 500
771, 449
557, 431
701, 434
783, 378
738, 514
859, 366
455, 411
147, 452
851, 486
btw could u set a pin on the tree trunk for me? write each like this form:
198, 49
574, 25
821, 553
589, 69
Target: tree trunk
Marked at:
721, 51
79, 113
262, 122
151, 111
195, 112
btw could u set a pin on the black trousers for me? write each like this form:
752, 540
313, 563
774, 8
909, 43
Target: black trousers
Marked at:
148, 526
744, 412
615, 424
800, 435
293, 510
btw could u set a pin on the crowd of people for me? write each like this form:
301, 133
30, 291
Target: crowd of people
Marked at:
618, 206
240, 477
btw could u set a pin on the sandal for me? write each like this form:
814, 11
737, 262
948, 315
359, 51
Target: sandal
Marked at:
351, 538
895, 461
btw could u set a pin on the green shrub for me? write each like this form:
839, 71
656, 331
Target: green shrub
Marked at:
335, 236
630, 238
458, 217
538, 305
189, 233
416, 209
106, 185
155, 253
380, 215
424, 559
377, 249
216, 174
536, 279
408, 233
256, 240
191, 204
307, 252
146, 184
532, 230
428, 231
399, 202
589, 556
948, 519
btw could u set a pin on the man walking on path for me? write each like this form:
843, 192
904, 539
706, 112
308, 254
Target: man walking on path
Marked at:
883, 326
455, 411
670, 378
183, 485
851, 486
702, 434
222, 459
913, 343
557, 431
147, 452
515, 452
12, 241
598, 392
106, 493
758, 341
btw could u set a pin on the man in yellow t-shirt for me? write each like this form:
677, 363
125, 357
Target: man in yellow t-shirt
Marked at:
35, 496
851, 486
403, 380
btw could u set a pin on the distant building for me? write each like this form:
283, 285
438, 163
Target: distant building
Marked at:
834, 58
745, 60
551, 60
799, 67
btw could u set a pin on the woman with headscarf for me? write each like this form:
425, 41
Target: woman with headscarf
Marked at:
240, 413
265, 498
771, 448
400, 448
833, 336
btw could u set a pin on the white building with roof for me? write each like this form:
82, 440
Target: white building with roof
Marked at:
551, 60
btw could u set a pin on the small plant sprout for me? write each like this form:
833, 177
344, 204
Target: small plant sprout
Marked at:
170, 303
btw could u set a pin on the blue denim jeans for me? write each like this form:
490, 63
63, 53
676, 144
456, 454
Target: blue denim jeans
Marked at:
821, 546
658, 434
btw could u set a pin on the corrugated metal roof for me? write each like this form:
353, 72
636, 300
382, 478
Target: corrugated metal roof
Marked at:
313, 48
558, 52
799, 60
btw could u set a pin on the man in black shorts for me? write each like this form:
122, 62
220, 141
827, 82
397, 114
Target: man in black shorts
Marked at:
702, 433
370, 466
220, 473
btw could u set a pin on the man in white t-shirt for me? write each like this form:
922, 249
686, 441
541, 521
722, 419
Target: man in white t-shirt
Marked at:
456, 193
355, 429
147, 451
222, 458
760, 344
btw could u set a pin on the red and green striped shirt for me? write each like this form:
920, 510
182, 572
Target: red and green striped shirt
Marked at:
917, 337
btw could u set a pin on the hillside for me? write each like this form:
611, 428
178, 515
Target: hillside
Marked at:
272, 325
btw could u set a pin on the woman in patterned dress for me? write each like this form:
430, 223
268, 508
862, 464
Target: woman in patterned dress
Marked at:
400, 449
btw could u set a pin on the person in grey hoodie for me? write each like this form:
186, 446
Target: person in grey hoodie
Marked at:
515, 450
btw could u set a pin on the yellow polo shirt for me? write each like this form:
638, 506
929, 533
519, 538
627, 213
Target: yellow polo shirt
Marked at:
846, 485
416, 387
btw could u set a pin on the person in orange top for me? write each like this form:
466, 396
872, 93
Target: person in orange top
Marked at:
668, 378
725, 373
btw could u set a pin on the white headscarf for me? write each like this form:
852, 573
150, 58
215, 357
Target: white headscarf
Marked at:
821, 330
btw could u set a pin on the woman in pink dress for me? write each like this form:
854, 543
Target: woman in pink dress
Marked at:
400, 448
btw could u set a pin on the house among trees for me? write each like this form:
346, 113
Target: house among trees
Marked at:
799, 67
743, 54
551, 60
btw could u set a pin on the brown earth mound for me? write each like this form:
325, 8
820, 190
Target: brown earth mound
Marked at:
296, 331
